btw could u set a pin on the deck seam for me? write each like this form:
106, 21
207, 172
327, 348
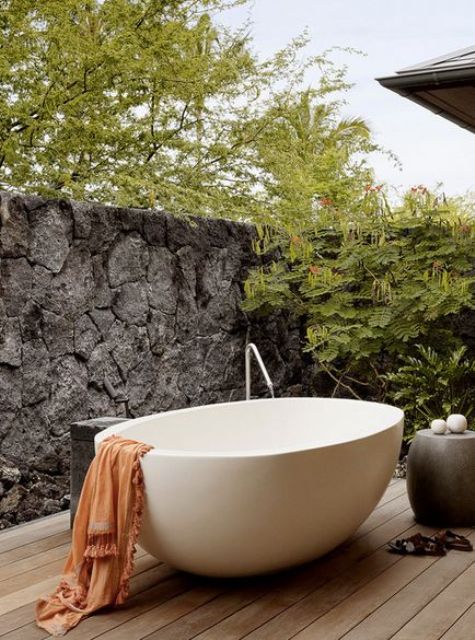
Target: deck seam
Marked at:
446, 586
402, 589
339, 573
472, 606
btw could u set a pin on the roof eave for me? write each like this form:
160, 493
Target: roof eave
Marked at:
406, 84
421, 79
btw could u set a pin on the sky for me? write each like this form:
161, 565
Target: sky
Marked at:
394, 34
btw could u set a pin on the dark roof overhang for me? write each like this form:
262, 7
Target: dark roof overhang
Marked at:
445, 85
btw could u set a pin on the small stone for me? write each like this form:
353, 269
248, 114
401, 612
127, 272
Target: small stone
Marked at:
8, 421
161, 331
128, 260
101, 364
105, 227
155, 228
68, 395
50, 231
71, 292
82, 212
9, 476
162, 278
131, 304
36, 372
86, 337
438, 426
401, 468
457, 423
10, 342
102, 293
51, 506
11, 501
65, 501
127, 345
58, 333
40, 285
10, 385
103, 319
16, 277
15, 232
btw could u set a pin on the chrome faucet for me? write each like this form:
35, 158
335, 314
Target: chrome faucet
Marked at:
252, 349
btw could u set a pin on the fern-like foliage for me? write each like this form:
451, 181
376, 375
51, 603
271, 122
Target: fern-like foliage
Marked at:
370, 283
431, 385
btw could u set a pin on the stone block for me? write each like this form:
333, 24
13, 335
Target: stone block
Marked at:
82, 453
15, 232
128, 260
16, 277
50, 237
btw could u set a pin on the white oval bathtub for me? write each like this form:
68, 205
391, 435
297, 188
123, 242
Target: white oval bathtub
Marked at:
250, 487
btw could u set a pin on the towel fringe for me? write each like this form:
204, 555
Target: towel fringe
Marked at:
136, 523
101, 545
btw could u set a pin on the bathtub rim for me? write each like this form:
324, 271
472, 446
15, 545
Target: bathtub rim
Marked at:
117, 429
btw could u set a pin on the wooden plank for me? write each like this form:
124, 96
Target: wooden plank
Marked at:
342, 618
28, 550
380, 516
37, 570
463, 628
441, 613
183, 612
16, 618
144, 579
393, 491
158, 584
27, 579
37, 524
209, 614
32, 592
322, 598
396, 611
269, 612
164, 614
44, 558
31, 532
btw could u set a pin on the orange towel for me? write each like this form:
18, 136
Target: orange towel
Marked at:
106, 526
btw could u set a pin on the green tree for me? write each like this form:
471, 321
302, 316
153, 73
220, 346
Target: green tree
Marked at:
309, 154
142, 102
371, 283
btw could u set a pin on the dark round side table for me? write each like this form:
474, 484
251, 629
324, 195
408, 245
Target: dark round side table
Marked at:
441, 478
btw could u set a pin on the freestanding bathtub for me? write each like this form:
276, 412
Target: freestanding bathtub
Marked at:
250, 487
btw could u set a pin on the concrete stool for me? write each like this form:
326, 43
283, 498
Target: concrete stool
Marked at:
441, 478
82, 452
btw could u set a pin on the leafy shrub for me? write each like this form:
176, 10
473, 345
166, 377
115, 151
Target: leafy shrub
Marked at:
430, 385
372, 283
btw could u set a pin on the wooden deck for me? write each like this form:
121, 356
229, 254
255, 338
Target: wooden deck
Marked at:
358, 592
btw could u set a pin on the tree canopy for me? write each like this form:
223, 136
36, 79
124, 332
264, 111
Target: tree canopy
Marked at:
154, 103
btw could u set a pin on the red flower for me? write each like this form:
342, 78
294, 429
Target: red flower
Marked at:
326, 202
314, 269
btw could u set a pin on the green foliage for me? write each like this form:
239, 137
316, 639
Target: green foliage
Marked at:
137, 102
431, 385
371, 283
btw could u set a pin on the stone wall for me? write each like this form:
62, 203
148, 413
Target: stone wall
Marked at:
148, 301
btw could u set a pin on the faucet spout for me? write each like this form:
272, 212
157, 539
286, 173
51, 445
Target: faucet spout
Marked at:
252, 349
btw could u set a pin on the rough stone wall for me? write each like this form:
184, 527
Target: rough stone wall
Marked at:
148, 300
